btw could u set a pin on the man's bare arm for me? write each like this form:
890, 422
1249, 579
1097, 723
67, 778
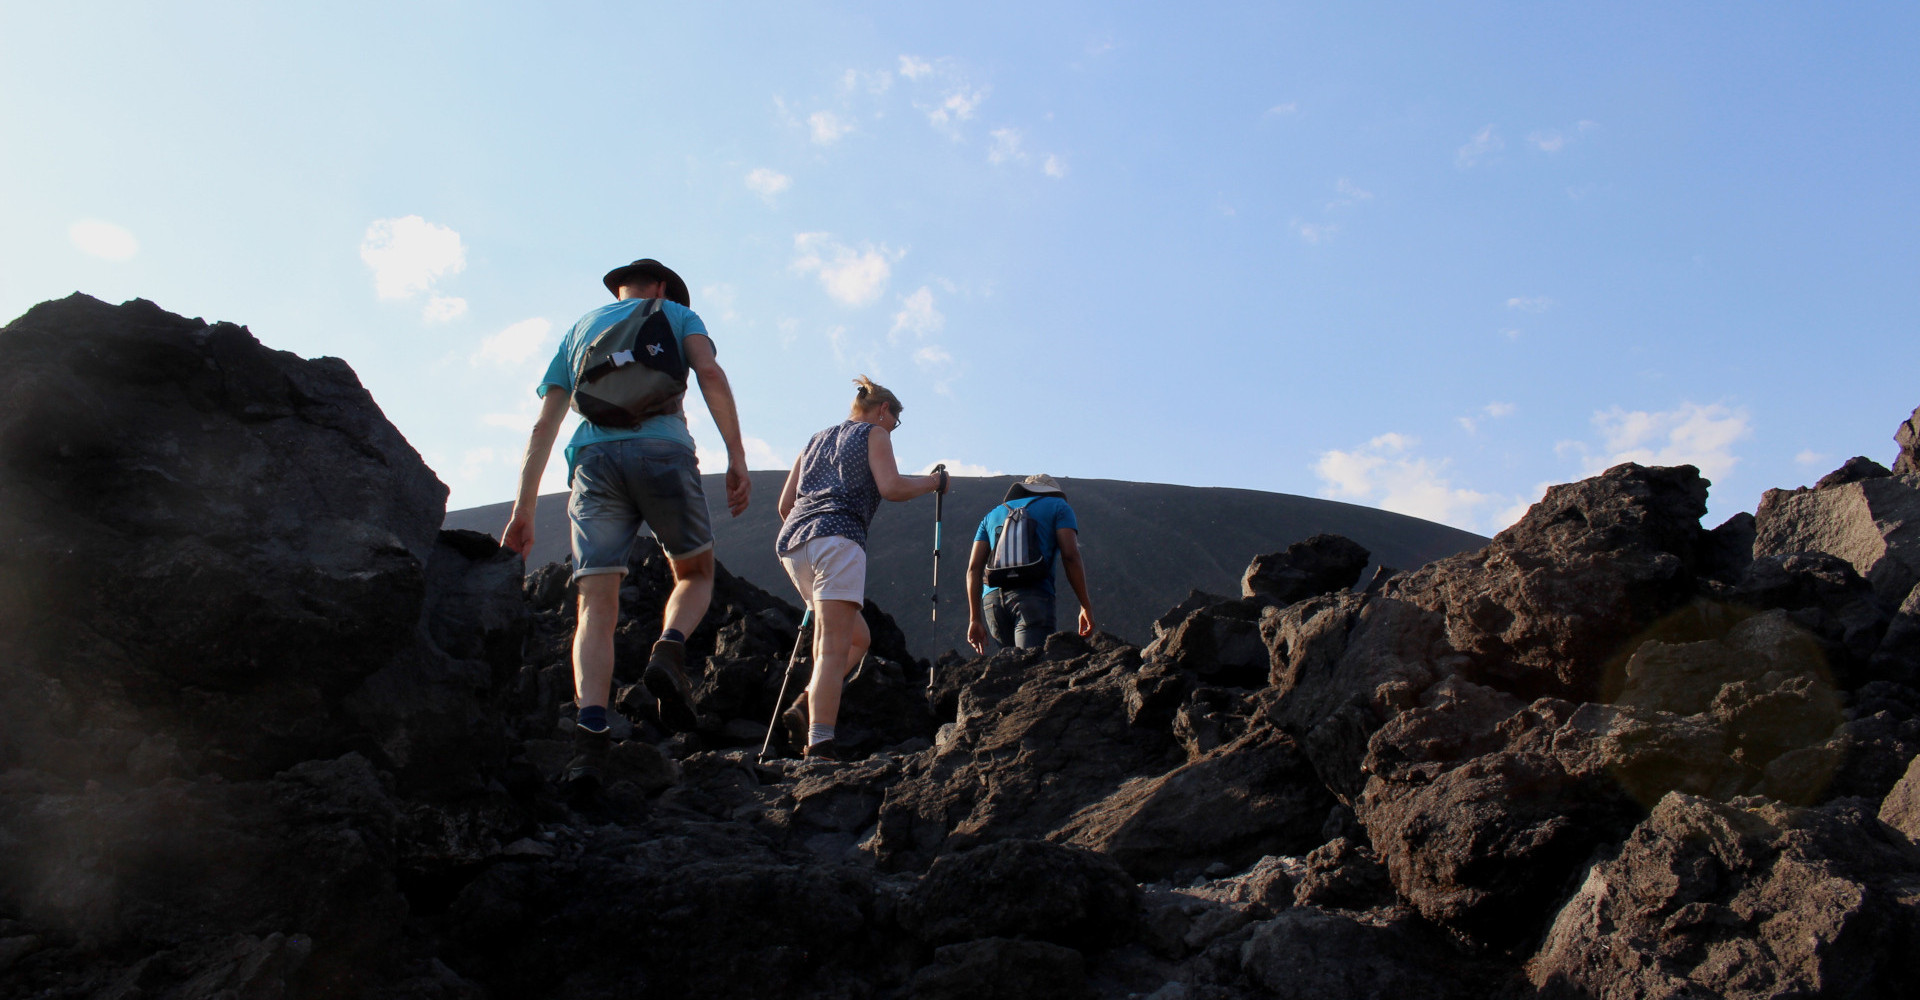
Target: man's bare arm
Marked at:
976, 612
718, 393
1070, 560
518, 535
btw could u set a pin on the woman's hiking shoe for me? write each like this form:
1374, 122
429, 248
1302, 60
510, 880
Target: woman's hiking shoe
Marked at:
666, 680
829, 750
794, 721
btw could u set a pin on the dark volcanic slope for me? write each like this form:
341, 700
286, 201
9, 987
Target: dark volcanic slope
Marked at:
1147, 544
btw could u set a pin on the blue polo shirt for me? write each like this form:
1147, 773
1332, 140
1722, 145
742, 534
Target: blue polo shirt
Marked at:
566, 361
1048, 513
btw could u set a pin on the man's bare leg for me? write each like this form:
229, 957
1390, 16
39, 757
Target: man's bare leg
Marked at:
692, 592
593, 638
666, 676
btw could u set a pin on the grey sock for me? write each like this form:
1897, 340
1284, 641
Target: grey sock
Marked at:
817, 733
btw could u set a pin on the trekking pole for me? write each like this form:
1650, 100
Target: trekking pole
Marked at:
780, 702
939, 515
939, 506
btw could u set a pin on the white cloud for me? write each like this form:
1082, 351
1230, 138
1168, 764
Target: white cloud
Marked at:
789, 330
1280, 110
1484, 143
442, 308
1553, 140
1536, 304
1006, 146
409, 255
914, 69
955, 467
1348, 194
1386, 473
515, 344
1491, 411
877, 82
1054, 167
828, 127
1511, 333
1315, 232
917, 315
958, 106
766, 183
103, 240
1701, 436
855, 277
932, 356
1811, 458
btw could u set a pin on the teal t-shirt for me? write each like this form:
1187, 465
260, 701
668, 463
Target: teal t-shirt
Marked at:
1049, 515
566, 361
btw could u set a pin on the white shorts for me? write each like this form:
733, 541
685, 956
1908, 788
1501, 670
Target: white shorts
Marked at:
828, 568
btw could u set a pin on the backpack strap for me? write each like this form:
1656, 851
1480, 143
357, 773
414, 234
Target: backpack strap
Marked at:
586, 375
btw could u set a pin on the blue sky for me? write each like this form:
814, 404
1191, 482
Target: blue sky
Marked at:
1429, 257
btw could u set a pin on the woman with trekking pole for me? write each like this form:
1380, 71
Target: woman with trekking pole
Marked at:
829, 498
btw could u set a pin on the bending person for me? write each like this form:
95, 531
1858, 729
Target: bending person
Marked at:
829, 498
1022, 615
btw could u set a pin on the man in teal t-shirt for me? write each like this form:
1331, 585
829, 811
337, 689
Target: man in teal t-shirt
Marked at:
1024, 616
621, 478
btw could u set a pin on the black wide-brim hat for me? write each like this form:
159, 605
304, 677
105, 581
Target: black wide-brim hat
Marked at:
647, 267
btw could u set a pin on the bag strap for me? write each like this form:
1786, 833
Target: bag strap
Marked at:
647, 308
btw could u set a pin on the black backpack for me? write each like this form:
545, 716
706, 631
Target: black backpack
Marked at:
1016, 561
633, 370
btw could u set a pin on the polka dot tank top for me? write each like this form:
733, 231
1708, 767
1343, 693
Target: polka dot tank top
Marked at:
837, 492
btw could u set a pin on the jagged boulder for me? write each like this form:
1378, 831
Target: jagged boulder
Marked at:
1259, 795
1320, 565
1873, 524
1901, 808
1018, 764
1907, 436
288, 884
1853, 470
1483, 844
1001, 969
706, 913
1344, 664
1749, 898
1024, 888
1314, 954
205, 537
1343, 874
1219, 642
1555, 598
1822, 594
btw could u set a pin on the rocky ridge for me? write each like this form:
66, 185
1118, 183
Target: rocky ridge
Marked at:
265, 732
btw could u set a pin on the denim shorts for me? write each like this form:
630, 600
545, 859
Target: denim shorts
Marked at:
618, 485
1022, 618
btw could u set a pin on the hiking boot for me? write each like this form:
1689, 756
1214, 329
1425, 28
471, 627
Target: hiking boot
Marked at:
666, 680
829, 750
589, 759
794, 721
